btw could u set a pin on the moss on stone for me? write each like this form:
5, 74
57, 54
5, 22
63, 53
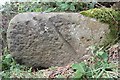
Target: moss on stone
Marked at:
109, 16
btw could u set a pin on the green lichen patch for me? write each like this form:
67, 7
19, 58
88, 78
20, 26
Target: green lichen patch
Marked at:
109, 16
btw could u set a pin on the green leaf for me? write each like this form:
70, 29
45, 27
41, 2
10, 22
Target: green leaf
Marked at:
79, 66
8, 56
78, 74
50, 9
64, 6
80, 69
91, 5
75, 66
72, 7
103, 55
37, 9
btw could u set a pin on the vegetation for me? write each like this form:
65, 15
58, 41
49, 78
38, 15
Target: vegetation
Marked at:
97, 66
47, 7
10, 69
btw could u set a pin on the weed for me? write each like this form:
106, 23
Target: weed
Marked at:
98, 68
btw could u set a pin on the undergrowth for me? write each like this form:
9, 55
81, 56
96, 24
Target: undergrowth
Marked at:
21, 7
97, 66
11, 69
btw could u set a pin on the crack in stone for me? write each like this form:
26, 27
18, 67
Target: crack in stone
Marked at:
61, 36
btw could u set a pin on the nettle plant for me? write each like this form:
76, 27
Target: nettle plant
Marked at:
97, 66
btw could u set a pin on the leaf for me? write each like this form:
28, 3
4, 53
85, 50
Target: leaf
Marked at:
91, 5
78, 74
37, 9
72, 7
50, 9
64, 6
79, 66
103, 55
80, 69
75, 66
8, 56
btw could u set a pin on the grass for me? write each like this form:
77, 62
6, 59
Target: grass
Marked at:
96, 66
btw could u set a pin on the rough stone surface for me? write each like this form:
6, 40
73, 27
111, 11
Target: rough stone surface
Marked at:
116, 5
0, 43
52, 39
0, 52
5, 18
0, 34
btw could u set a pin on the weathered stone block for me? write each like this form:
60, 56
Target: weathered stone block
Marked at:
52, 39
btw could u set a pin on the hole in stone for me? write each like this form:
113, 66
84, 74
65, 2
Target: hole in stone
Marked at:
18, 22
82, 37
27, 22
34, 18
101, 37
88, 39
39, 68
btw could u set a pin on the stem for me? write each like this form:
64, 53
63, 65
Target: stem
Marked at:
95, 70
101, 73
108, 76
